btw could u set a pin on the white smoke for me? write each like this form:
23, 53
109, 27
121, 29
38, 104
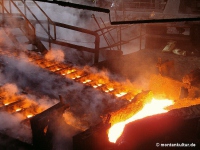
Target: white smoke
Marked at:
30, 77
55, 55
4, 40
11, 124
74, 17
8, 121
87, 104
11, 88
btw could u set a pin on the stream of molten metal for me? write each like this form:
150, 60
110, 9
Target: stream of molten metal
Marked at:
152, 108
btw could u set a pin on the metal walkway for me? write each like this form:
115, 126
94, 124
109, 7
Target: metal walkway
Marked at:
18, 15
29, 27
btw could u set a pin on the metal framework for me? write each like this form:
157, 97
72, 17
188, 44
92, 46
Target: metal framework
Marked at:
49, 27
49, 31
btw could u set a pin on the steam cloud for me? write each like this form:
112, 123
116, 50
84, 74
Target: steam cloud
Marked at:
11, 124
56, 55
86, 104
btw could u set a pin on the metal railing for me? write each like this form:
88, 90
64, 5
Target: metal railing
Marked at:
47, 30
116, 42
8, 11
59, 41
50, 36
49, 20
10, 6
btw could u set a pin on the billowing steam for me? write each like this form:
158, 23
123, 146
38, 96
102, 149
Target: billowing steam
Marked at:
11, 88
86, 104
56, 55
12, 120
43, 87
11, 125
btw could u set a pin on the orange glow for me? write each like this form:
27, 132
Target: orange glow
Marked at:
29, 116
110, 89
78, 76
18, 109
149, 109
87, 81
99, 84
97, 80
70, 71
86, 75
6, 104
121, 94
95, 86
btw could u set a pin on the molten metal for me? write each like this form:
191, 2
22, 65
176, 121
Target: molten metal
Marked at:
30, 115
96, 80
121, 94
18, 109
87, 81
149, 109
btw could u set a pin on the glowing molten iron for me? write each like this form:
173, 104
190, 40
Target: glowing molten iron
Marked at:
30, 115
149, 109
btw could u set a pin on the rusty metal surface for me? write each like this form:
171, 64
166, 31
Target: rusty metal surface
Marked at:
45, 125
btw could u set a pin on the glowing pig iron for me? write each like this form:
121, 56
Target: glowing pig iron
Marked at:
149, 109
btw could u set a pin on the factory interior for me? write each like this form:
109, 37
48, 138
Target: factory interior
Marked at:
99, 74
